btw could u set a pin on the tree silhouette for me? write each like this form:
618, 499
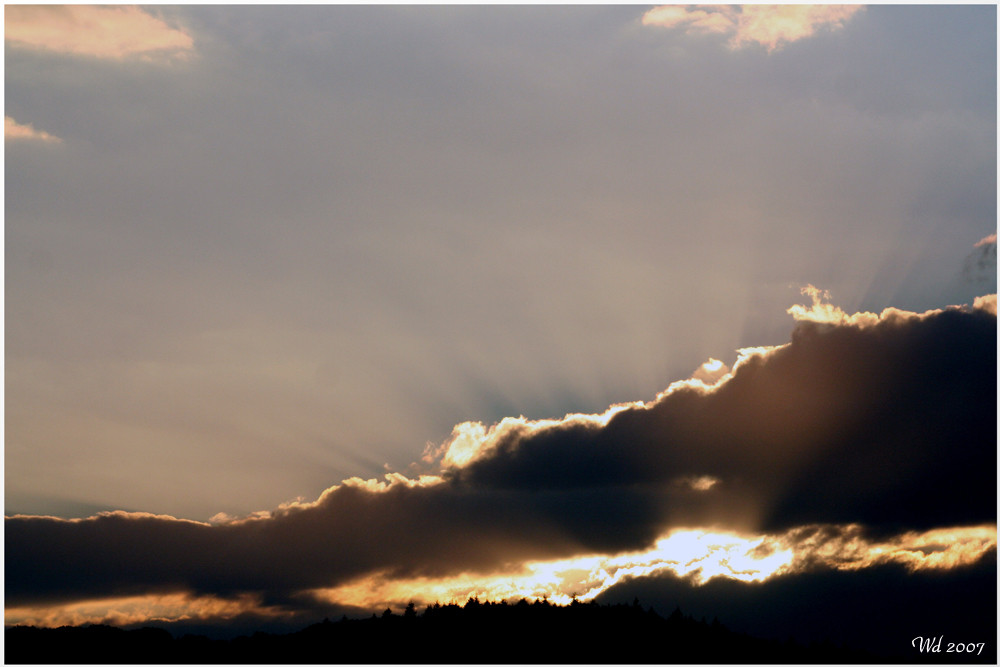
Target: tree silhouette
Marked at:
538, 632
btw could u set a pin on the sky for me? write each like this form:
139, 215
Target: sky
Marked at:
328, 307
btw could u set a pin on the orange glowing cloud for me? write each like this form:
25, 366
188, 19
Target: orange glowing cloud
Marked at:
719, 19
771, 26
698, 555
114, 32
986, 303
986, 240
17, 132
848, 548
139, 609
695, 554
776, 25
821, 312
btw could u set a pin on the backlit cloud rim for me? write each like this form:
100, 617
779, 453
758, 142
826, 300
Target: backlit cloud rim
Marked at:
867, 439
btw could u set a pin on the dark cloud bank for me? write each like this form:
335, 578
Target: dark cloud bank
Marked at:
890, 425
880, 609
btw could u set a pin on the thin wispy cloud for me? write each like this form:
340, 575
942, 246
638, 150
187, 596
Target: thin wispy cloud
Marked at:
15, 131
770, 26
981, 263
114, 32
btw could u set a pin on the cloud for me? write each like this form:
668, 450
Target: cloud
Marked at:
141, 609
711, 372
821, 312
698, 555
771, 26
848, 422
282, 307
887, 422
17, 132
721, 19
114, 32
981, 263
987, 304
881, 608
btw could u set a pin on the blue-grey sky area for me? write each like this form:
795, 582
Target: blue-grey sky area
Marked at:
271, 248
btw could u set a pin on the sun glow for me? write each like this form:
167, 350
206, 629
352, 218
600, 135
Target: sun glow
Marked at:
697, 555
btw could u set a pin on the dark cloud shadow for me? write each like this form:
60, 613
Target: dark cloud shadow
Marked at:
881, 609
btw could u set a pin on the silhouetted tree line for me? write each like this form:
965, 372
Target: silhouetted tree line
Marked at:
478, 632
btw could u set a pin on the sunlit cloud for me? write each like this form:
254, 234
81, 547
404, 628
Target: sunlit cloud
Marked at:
700, 482
848, 548
141, 609
470, 441
114, 32
388, 482
20, 132
701, 555
987, 304
721, 19
758, 475
823, 312
771, 26
986, 240
711, 371
697, 555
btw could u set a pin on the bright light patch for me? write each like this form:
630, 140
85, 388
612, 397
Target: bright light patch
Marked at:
711, 372
712, 365
698, 555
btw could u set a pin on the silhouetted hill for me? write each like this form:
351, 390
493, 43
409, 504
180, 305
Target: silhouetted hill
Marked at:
477, 632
